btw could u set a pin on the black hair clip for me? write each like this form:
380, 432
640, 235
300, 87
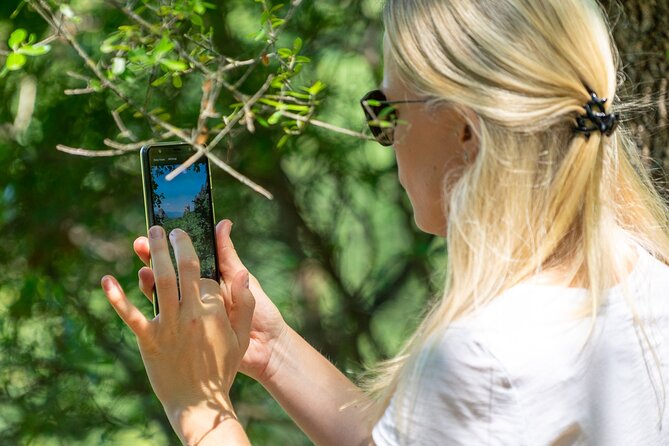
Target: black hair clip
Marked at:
596, 118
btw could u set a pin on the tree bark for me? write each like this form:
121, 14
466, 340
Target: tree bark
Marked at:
641, 31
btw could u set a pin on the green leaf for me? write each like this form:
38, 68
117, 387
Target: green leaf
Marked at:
274, 118
284, 52
176, 81
316, 88
295, 94
297, 45
174, 65
197, 21
262, 121
160, 81
30, 50
18, 9
16, 38
282, 142
15, 61
259, 35
162, 48
198, 8
107, 45
264, 17
271, 102
96, 85
277, 22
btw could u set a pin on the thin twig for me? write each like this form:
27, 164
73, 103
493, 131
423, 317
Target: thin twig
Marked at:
125, 132
78, 76
270, 43
78, 91
327, 126
45, 11
233, 121
128, 147
134, 16
232, 64
86, 152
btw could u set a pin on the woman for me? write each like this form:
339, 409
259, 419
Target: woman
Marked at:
552, 327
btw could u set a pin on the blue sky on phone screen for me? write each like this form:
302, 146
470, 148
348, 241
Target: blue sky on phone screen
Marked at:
181, 191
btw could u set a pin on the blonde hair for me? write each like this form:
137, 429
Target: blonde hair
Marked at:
538, 196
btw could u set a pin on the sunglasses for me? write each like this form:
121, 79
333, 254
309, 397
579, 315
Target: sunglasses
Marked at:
382, 116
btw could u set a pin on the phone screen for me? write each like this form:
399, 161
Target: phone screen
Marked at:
185, 202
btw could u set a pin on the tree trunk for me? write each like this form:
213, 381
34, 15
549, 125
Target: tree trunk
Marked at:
641, 31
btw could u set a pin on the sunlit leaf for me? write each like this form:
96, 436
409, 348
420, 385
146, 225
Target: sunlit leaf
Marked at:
174, 65
30, 50
176, 81
163, 47
276, 116
160, 81
15, 61
16, 38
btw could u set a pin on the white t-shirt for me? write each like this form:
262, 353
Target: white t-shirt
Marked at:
520, 372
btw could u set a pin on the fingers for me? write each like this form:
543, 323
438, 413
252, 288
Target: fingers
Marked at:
241, 311
228, 261
146, 282
163, 273
141, 247
188, 265
132, 317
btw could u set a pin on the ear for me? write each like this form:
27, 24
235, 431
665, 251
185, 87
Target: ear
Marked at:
466, 135
469, 136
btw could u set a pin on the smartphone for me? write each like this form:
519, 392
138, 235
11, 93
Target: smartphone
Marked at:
185, 202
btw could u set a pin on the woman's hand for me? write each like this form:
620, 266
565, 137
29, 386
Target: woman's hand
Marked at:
268, 329
193, 348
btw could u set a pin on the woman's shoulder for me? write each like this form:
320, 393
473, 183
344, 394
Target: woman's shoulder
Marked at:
535, 328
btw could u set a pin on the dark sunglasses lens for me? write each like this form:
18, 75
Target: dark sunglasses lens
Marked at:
380, 116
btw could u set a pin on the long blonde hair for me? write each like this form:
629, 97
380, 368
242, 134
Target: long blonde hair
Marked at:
538, 196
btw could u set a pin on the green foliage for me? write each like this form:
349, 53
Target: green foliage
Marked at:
21, 45
336, 249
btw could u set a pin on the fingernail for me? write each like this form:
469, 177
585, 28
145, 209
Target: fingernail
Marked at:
227, 228
156, 232
107, 283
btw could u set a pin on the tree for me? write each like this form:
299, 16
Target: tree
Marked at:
641, 31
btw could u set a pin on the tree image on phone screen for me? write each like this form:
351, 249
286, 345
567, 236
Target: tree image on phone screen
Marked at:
185, 203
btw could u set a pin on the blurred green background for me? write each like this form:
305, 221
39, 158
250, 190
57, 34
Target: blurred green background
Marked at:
337, 248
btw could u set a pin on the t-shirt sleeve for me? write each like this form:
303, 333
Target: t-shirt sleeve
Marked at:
459, 394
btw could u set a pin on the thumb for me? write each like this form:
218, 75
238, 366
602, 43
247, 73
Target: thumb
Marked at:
241, 311
228, 260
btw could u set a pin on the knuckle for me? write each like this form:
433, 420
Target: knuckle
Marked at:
164, 280
190, 265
